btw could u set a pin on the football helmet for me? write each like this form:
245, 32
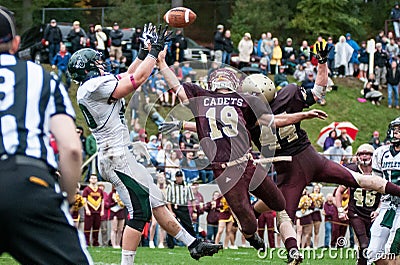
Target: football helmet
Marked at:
257, 84
364, 149
394, 132
84, 64
223, 78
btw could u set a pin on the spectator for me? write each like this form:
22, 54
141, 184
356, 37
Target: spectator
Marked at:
335, 153
371, 90
364, 61
380, 36
228, 48
392, 49
164, 154
196, 210
91, 37
318, 201
135, 42
101, 39
212, 209
117, 217
219, 43
309, 82
276, 56
300, 73
161, 89
178, 46
380, 62
225, 221
91, 149
76, 37
343, 54
331, 56
122, 65
151, 112
259, 44
331, 215
395, 16
214, 66
267, 219
346, 142
116, 41
112, 64
353, 64
203, 164
393, 79
266, 50
53, 38
61, 61
288, 50
304, 220
375, 141
189, 139
280, 79
80, 132
172, 165
330, 140
187, 71
153, 146
94, 209
290, 65
245, 48
189, 168
105, 218
154, 227
76, 206
179, 194
305, 50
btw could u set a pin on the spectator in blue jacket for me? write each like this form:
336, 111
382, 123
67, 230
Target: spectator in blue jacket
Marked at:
61, 61
354, 63
331, 56
364, 61
395, 16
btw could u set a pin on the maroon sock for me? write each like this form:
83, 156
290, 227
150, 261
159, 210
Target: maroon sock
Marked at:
291, 243
392, 189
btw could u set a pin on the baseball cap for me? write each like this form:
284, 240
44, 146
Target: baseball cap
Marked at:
76, 23
153, 137
247, 35
115, 24
178, 174
7, 25
53, 20
220, 26
289, 40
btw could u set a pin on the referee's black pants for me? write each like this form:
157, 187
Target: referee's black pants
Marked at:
183, 216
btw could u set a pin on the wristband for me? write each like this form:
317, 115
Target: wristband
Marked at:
133, 81
183, 125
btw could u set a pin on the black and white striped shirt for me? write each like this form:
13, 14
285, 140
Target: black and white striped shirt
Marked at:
29, 97
179, 194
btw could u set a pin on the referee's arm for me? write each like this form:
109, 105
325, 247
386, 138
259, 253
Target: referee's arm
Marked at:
70, 151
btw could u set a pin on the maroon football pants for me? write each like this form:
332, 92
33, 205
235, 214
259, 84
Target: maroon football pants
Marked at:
92, 223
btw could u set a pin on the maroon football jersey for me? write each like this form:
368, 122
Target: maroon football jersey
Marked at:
291, 139
362, 202
221, 121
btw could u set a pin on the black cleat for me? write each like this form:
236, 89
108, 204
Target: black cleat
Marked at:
256, 242
294, 257
200, 249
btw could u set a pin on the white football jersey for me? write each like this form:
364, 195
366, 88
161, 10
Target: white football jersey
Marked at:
386, 163
104, 118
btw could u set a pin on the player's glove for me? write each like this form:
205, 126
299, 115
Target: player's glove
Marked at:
158, 42
149, 32
170, 126
322, 53
139, 149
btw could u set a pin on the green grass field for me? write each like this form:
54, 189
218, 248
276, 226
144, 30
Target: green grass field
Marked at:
180, 255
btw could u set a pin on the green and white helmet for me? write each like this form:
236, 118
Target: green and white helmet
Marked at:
84, 64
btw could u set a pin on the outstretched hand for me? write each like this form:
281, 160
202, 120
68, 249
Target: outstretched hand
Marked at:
158, 43
149, 33
316, 113
322, 53
170, 126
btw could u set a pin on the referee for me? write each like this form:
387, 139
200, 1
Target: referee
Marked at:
34, 214
178, 196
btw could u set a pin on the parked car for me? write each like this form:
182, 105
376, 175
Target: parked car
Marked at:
194, 51
32, 45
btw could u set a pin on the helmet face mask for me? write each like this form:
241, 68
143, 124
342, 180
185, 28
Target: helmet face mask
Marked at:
84, 64
259, 84
364, 154
223, 78
394, 132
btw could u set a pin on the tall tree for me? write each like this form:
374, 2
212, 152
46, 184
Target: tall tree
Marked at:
328, 17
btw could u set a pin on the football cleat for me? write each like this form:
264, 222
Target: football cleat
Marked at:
200, 249
294, 257
256, 242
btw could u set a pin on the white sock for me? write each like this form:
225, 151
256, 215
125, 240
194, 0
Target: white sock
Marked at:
185, 237
128, 257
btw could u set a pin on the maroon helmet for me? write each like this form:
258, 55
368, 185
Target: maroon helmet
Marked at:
223, 78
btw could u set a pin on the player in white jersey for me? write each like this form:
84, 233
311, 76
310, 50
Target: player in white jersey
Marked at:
100, 98
386, 163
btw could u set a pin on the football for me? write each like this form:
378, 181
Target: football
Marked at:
180, 17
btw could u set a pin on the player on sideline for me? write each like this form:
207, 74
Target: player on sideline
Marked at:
219, 113
362, 203
100, 98
385, 229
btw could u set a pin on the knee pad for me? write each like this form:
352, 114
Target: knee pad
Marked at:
282, 217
